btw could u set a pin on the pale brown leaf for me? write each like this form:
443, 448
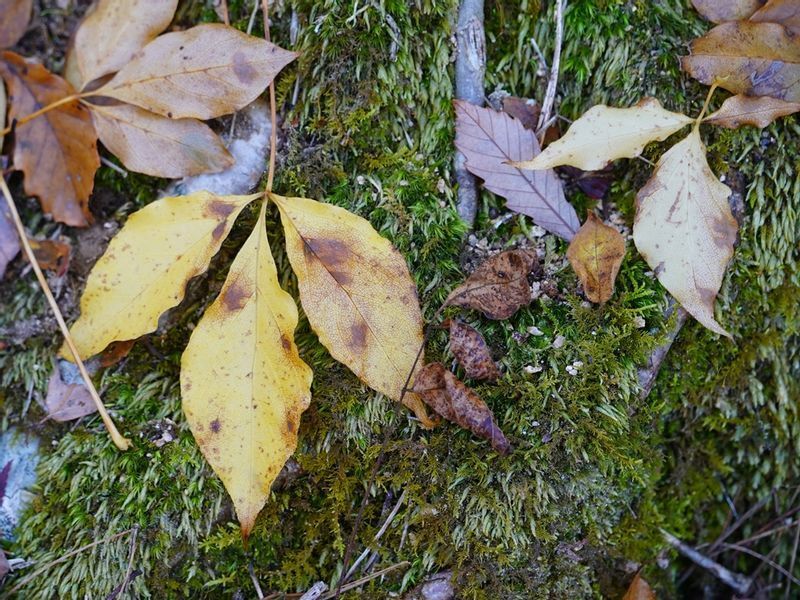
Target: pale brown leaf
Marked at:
525, 111
639, 590
111, 34
499, 286
489, 140
14, 17
757, 111
56, 151
454, 401
596, 254
471, 351
785, 12
9, 240
67, 401
754, 59
154, 145
720, 11
203, 72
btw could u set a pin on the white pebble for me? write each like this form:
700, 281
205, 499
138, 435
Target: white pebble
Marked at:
559, 342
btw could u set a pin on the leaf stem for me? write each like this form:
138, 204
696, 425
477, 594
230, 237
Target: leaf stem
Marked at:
273, 136
43, 110
702, 114
121, 442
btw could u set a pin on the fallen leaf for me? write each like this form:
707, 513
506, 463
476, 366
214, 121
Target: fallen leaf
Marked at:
243, 383
204, 72
490, 140
499, 286
594, 184
757, 111
115, 352
639, 590
56, 151
454, 401
9, 240
720, 11
755, 59
111, 34
525, 111
52, 255
357, 293
596, 253
785, 12
154, 145
471, 351
67, 400
16, 14
147, 265
603, 134
684, 228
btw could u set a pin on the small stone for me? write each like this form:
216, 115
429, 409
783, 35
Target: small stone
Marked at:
578, 364
572, 370
538, 232
559, 342
535, 331
360, 180
639, 322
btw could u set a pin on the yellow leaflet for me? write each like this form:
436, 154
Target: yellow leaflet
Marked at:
243, 383
146, 267
358, 294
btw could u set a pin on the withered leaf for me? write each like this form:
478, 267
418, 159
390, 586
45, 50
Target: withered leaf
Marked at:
9, 240
204, 72
454, 401
594, 184
596, 254
154, 145
525, 111
758, 111
785, 12
67, 400
499, 286
115, 352
755, 59
14, 17
471, 351
52, 255
490, 140
56, 151
639, 590
720, 11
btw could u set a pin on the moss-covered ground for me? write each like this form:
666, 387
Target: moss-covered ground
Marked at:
596, 471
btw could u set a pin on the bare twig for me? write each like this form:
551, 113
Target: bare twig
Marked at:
378, 535
363, 580
315, 591
761, 557
552, 82
254, 579
119, 440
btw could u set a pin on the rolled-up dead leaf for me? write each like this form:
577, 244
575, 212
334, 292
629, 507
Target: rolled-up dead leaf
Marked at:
471, 351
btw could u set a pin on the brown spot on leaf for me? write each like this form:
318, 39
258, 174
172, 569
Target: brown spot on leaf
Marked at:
218, 230
244, 71
358, 335
220, 209
334, 255
215, 426
286, 343
235, 297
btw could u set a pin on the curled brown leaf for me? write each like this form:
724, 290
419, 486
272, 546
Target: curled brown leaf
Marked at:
471, 351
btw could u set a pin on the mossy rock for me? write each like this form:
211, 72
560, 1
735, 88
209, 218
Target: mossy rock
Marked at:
596, 471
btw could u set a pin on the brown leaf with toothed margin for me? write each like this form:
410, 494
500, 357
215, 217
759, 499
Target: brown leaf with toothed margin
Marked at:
721, 11
785, 12
204, 72
57, 151
499, 286
451, 399
757, 111
639, 590
490, 140
15, 17
596, 254
755, 59
471, 351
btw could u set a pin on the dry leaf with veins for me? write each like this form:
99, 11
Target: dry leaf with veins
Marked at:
684, 228
471, 351
15, 17
757, 111
596, 254
499, 286
720, 11
785, 12
454, 401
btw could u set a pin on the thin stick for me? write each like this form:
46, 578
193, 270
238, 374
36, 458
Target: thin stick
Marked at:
116, 436
363, 580
378, 535
223, 5
254, 579
702, 114
61, 559
273, 136
552, 82
737, 581
771, 563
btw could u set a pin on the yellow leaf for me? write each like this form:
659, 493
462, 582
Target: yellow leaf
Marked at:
204, 72
596, 253
243, 383
358, 294
685, 230
604, 134
146, 267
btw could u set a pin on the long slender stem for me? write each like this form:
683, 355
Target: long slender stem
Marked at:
702, 114
119, 440
43, 110
273, 137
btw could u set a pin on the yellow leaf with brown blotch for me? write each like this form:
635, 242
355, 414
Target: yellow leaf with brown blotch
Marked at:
758, 111
596, 253
147, 265
357, 293
684, 228
603, 134
243, 383
204, 72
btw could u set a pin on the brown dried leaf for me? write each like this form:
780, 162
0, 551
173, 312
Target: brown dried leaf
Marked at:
499, 286
9, 240
67, 401
203, 72
471, 351
115, 352
720, 11
111, 34
596, 254
639, 590
15, 15
755, 59
52, 255
785, 12
757, 111
454, 401
491, 139
154, 145
56, 151
523, 110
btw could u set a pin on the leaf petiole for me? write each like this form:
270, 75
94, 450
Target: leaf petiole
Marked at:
702, 114
43, 110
